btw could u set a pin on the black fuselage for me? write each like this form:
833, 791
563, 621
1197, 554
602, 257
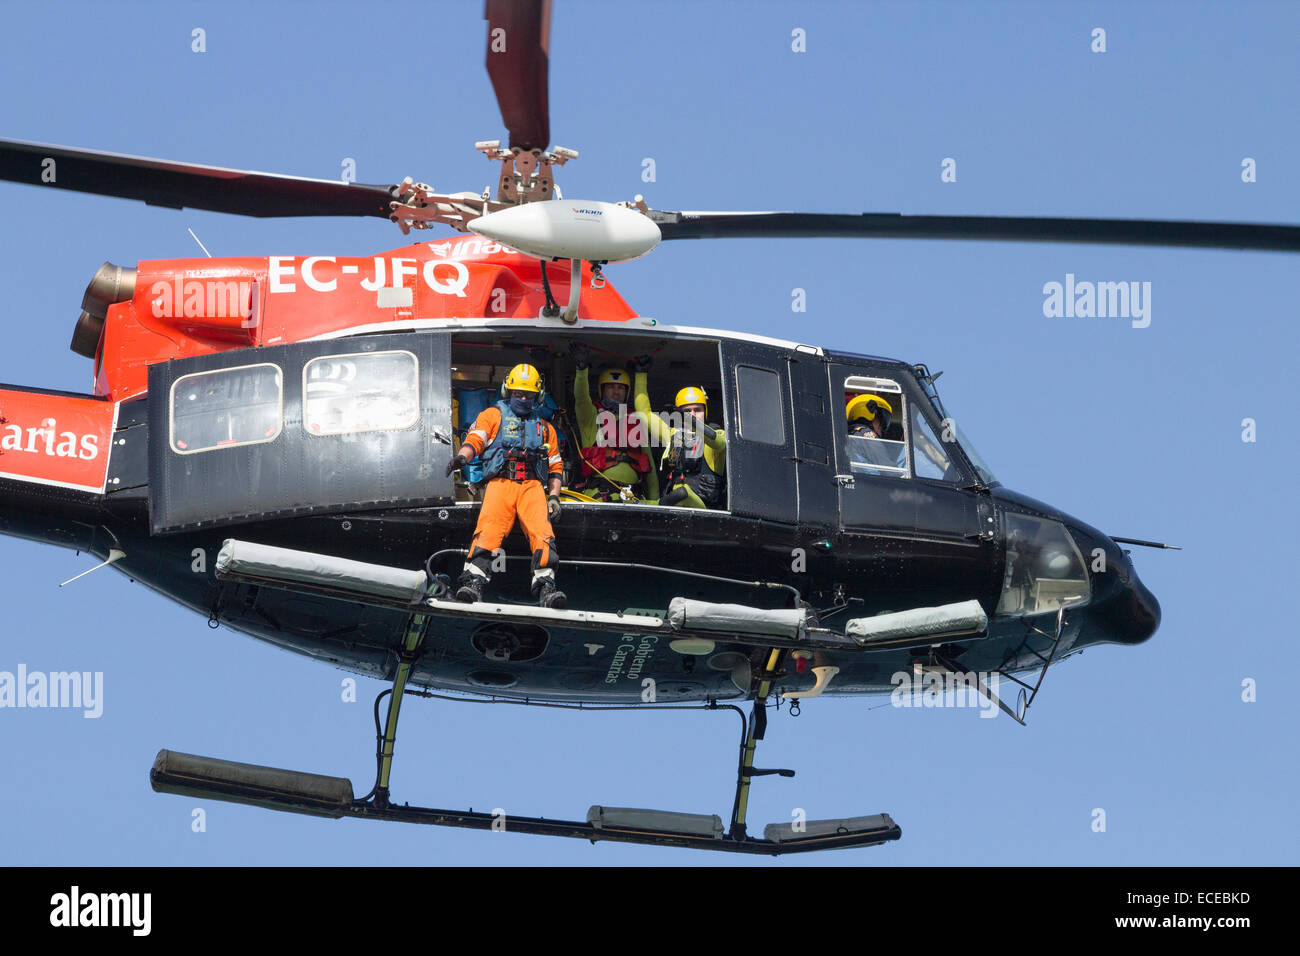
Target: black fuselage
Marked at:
801, 524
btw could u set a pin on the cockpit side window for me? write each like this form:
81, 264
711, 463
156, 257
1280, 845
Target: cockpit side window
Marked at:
876, 421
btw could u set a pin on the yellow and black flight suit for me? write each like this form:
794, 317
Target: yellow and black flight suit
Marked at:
611, 456
694, 463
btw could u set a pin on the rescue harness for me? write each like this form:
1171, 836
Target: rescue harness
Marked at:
519, 451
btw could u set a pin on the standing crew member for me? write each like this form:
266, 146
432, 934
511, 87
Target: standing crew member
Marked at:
613, 453
521, 455
695, 455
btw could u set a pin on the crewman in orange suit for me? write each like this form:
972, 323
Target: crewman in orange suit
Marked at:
523, 470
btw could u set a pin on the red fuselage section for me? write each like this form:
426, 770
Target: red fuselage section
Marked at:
188, 307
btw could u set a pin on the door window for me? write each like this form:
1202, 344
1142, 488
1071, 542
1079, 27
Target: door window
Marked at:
362, 392
226, 408
762, 414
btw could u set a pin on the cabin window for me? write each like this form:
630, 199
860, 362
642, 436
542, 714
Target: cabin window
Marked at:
226, 408
361, 392
762, 413
877, 440
931, 461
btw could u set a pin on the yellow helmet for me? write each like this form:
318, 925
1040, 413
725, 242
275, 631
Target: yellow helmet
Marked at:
692, 395
866, 406
522, 378
613, 376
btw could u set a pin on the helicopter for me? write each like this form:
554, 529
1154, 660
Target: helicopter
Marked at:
866, 543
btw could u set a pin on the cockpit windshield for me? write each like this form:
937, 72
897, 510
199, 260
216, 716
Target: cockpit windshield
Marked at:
950, 427
976, 459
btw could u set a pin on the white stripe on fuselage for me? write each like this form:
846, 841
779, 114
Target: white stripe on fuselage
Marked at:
637, 326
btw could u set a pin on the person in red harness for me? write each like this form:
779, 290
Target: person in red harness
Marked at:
616, 463
523, 470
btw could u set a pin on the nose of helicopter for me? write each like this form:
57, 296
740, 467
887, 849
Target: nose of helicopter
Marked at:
1130, 614
1122, 609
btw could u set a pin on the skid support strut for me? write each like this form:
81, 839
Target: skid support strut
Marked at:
755, 728
415, 631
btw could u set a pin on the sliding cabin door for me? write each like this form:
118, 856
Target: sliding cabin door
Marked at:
313, 427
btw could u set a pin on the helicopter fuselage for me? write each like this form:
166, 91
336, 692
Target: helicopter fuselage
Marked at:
804, 522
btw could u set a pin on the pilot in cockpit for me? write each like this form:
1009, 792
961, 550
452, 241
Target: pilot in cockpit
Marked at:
870, 440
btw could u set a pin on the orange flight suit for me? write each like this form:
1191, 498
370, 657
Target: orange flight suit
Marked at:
506, 499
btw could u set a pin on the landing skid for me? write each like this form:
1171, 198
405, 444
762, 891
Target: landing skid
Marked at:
333, 797
264, 786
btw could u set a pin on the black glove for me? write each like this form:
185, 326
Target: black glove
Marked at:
580, 353
457, 463
643, 363
674, 496
553, 508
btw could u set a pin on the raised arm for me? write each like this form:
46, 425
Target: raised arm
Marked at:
584, 407
658, 430
715, 437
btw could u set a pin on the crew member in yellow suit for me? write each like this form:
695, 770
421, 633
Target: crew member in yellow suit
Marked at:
521, 454
614, 453
694, 460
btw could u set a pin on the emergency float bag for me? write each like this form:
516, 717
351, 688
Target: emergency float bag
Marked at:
685, 614
260, 562
784, 832
668, 821
270, 787
919, 622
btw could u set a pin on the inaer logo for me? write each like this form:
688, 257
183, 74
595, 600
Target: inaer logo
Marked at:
103, 909
586, 212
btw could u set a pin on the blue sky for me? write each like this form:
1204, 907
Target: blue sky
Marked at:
1137, 431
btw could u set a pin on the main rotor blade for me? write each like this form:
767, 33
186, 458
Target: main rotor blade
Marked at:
159, 182
518, 60
875, 225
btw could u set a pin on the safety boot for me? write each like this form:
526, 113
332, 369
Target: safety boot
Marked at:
548, 595
470, 587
